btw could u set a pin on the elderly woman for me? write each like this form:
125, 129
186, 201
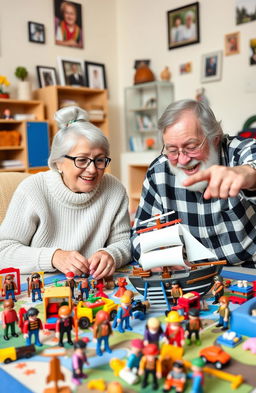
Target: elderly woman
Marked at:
73, 217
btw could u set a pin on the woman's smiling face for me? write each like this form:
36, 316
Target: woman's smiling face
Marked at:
81, 180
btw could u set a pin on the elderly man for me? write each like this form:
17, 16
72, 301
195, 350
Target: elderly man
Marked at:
208, 178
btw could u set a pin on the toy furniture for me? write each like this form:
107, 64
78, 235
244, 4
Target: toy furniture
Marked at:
242, 320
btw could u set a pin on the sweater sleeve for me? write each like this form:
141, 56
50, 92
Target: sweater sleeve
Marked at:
16, 233
118, 243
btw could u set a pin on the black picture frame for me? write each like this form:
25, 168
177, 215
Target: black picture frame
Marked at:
47, 76
95, 75
183, 26
36, 32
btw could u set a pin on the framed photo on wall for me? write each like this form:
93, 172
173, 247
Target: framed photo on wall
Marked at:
211, 67
68, 23
232, 43
36, 32
46, 76
71, 72
183, 26
95, 75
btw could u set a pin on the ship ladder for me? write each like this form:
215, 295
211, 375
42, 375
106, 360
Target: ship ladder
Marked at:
157, 297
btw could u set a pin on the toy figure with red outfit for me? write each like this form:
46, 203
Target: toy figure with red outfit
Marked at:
9, 287
64, 324
121, 283
32, 326
9, 318
150, 364
78, 359
174, 332
101, 331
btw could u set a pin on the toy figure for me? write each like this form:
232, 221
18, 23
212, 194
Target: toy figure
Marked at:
174, 332
84, 286
7, 115
121, 283
71, 283
9, 317
134, 359
217, 289
78, 359
9, 287
197, 375
176, 291
224, 312
101, 331
150, 364
153, 331
124, 313
109, 282
193, 325
64, 324
100, 286
35, 286
32, 326
176, 378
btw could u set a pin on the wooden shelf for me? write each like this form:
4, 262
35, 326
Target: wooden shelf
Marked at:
33, 132
84, 97
11, 147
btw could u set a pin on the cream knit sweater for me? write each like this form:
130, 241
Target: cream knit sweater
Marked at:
44, 215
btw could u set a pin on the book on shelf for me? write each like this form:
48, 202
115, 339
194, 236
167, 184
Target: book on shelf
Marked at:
11, 163
24, 116
136, 143
145, 123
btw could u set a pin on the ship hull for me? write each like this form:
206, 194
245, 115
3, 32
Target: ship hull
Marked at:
158, 290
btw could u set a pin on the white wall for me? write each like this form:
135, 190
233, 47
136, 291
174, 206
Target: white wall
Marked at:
116, 32
142, 27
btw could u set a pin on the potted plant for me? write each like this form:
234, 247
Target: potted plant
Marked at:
3, 82
24, 91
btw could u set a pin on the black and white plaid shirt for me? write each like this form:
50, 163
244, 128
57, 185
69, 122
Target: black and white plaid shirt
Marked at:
225, 226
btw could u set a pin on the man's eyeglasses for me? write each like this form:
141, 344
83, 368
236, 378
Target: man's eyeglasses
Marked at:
84, 162
191, 151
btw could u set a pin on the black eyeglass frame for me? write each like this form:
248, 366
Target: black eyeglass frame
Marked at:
90, 160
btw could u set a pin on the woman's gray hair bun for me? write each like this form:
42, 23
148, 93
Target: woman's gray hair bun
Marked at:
70, 114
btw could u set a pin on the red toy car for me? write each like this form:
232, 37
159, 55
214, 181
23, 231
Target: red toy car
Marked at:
215, 355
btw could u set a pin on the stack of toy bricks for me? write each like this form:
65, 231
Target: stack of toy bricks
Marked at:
240, 292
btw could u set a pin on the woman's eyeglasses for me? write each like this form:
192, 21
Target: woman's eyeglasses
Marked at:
84, 162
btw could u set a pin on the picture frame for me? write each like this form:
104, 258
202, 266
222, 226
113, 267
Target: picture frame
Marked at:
71, 72
232, 43
245, 11
95, 75
36, 32
211, 66
138, 63
68, 24
47, 76
183, 26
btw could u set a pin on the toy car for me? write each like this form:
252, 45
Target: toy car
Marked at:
86, 311
215, 355
8, 355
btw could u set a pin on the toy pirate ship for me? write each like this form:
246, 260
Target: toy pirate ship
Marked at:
166, 245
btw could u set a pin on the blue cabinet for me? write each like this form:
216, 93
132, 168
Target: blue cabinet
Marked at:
37, 144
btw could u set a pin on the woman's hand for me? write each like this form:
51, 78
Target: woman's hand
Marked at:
70, 261
101, 264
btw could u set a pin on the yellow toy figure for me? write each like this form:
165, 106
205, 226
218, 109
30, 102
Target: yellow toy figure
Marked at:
174, 332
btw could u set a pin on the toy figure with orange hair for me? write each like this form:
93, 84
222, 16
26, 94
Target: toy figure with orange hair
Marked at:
101, 332
224, 312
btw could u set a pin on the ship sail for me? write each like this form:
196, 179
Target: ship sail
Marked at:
154, 255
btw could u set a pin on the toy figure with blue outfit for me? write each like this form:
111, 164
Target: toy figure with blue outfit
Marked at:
35, 286
124, 313
9, 287
197, 375
84, 286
